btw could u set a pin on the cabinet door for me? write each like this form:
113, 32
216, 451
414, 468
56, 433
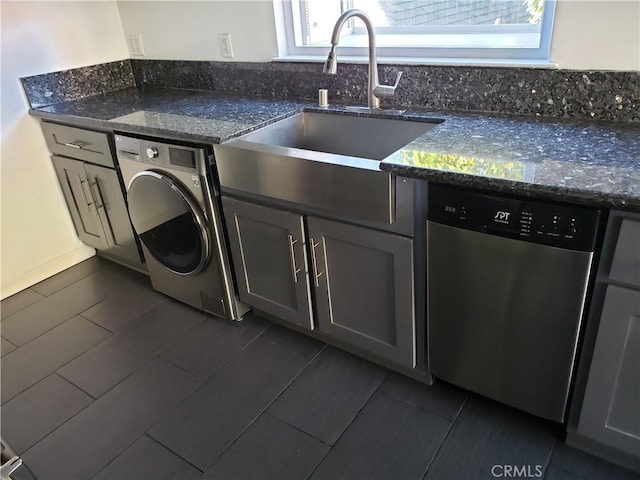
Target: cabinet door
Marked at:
76, 190
106, 192
269, 260
611, 408
364, 288
625, 266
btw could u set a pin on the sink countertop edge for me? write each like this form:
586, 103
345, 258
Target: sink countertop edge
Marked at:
590, 163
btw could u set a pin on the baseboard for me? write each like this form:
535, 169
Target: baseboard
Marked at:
44, 271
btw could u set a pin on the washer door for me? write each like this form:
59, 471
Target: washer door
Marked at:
169, 222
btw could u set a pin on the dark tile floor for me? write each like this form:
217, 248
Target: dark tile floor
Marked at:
104, 378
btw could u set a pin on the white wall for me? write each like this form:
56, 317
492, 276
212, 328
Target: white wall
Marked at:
597, 34
190, 30
37, 236
587, 34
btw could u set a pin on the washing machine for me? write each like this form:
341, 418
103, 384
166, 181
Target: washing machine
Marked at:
174, 207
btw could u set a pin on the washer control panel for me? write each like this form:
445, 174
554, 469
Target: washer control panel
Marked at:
167, 155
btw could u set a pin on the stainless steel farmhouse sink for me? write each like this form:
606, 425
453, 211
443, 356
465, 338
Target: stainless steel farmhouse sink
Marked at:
354, 136
321, 160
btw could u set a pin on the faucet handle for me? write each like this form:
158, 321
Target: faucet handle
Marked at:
395, 85
387, 90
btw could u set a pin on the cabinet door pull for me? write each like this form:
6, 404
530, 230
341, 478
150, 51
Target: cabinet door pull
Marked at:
97, 185
314, 262
77, 144
81, 181
294, 269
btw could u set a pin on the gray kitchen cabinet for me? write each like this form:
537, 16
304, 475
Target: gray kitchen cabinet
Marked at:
608, 423
360, 279
75, 184
363, 282
268, 251
78, 143
93, 191
625, 265
96, 204
611, 406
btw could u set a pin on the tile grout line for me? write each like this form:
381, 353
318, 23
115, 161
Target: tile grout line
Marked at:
267, 406
77, 386
56, 371
296, 428
202, 382
205, 379
444, 440
377, 389
144, 363
175, 453
94, 400
74, 315
114, 458
374, 391
416, 405
548, 463
10, 343
68, 419
26, 306
44, 295
140, 367
164, 300
95, 268
96, 324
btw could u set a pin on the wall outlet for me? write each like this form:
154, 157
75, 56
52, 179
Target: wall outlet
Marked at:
135, 44
227, 48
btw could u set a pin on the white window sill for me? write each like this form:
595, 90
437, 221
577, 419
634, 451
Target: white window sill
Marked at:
454, 62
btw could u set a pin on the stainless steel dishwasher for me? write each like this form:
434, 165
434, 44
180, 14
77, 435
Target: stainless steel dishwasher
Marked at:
507, 281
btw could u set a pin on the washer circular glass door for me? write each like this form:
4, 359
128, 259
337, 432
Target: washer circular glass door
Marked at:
169, 222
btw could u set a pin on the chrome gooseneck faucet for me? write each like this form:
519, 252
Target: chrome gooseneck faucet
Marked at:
375, 91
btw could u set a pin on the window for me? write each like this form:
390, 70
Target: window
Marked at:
458, 31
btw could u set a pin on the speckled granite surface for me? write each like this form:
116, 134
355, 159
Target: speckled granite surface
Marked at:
187, 114
591, 163
515, 91
578, 162
50, 88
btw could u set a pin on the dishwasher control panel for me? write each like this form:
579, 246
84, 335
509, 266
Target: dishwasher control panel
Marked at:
548, 223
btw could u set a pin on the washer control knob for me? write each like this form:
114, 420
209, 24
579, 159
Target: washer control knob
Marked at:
152, 152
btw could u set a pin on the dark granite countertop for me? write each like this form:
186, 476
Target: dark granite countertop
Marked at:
590, 163
195, 115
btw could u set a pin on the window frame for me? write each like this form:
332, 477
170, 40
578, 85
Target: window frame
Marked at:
289, 34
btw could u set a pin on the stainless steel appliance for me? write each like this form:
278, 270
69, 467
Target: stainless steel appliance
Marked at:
175, 210
507, 281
